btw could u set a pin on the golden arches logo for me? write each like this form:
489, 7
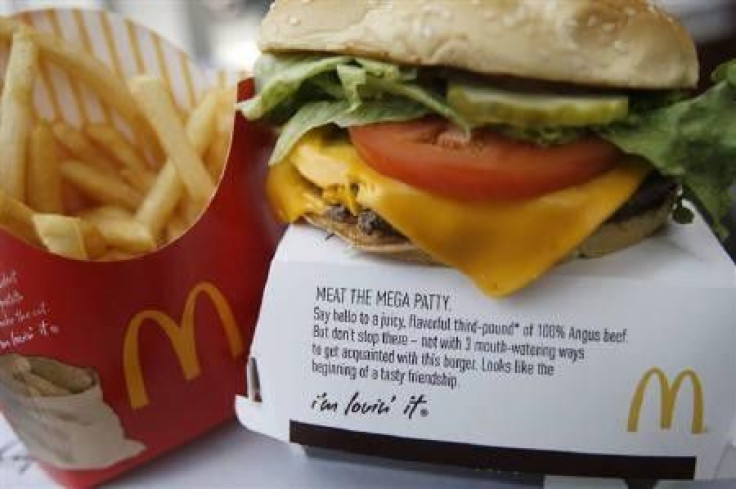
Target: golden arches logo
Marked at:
669, 394
182, 338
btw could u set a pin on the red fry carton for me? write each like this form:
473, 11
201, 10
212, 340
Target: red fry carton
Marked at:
104, 366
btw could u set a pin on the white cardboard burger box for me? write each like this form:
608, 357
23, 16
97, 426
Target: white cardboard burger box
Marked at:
621, 366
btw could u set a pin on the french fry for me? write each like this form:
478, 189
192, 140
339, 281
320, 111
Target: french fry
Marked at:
175, 228
139, 181
81, 148
98, 185
74, 200
44, 185
217, 153
16, 113
69, 377
190, 211
71, 144
161, 201
108, 86
128, 236
17, 219
70, 237
136, 170
94, 242
11, 366
156, 104
121, 232
13, 363
40, 385
105, 212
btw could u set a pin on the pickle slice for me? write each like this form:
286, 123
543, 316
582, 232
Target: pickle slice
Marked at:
485, 105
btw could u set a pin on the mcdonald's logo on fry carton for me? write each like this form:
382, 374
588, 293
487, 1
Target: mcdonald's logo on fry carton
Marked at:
182, 338
669, 394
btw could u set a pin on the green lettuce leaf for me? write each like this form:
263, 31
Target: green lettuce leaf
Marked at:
310, 116
329, 85
281, 82
432, 100
280, 77
692, 141
318, 114
352, 78
373, 112
388, 71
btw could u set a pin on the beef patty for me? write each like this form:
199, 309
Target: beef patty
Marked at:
652, 193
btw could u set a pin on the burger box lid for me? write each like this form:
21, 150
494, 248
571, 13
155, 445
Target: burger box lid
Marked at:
620, 366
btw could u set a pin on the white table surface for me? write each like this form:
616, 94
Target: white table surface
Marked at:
233, 457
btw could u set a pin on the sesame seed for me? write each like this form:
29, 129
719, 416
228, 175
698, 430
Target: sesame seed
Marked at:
508, 21
592, 21
436, 10
630, 11
619, 46
609, 27
294, 21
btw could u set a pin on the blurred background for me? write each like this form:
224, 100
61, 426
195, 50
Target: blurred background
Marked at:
221, 33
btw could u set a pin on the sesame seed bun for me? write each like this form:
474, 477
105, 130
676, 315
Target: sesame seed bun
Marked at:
607, 43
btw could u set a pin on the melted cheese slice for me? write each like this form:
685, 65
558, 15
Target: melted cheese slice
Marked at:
501, 245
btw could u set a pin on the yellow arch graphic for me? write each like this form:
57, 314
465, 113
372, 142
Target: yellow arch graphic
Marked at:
668, 400
182, 339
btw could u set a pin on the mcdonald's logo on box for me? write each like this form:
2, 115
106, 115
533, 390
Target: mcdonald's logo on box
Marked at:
669, 394
181, 337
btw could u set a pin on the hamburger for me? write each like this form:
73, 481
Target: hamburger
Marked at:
497, 137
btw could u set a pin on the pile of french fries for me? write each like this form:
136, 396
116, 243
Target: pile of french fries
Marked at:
93, 192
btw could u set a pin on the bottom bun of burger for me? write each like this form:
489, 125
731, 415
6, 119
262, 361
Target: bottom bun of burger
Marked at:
642, 216
618, 234
390, 244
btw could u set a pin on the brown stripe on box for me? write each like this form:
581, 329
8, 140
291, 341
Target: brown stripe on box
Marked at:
493, 458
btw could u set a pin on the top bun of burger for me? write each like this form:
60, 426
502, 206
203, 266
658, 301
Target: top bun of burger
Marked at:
606, 43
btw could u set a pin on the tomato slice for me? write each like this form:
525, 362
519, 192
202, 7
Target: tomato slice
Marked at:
429, 155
